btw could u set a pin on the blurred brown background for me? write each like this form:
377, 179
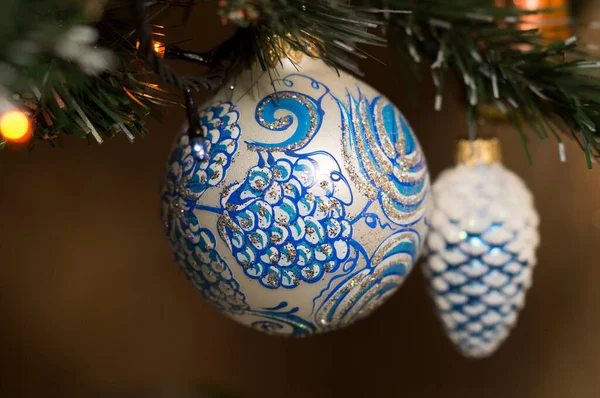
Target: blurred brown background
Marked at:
91, 299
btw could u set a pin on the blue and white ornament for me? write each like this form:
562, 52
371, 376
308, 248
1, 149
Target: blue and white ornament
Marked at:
309, 211
481, 248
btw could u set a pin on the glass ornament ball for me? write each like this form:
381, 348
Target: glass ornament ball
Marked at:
308, 212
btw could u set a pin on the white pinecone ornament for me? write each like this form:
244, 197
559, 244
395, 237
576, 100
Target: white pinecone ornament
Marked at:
481, 248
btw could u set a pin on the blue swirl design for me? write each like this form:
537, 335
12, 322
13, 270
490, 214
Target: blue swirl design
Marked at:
373, 221
195, 247
275, 322
305, 109
383, 158
284, 223
363, 291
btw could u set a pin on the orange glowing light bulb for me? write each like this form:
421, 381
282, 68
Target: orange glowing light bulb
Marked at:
14, 126
552, 25
158, 47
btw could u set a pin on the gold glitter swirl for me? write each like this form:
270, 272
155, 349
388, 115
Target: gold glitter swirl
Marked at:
388, 244
369, 288
358, 292
363, 186
384, 138
382, 160
376, 165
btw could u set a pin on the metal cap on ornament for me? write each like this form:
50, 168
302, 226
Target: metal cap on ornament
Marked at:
277, 48
485, 151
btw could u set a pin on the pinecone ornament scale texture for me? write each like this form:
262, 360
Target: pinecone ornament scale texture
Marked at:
480, 254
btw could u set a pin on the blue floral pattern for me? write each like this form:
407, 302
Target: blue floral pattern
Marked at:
205, 268
277, 321
195, 247
280, 233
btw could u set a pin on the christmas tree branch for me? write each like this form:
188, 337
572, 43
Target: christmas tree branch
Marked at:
517, 70
52, 69
523, 74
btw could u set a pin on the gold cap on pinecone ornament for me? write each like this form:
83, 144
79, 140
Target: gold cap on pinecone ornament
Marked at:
486, 151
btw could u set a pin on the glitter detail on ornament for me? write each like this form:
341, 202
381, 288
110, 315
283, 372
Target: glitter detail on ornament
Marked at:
300, 216
307, 116
366, 290
281, 322
383, 158
186, 182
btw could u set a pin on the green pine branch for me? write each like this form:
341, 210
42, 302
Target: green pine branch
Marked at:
535, 83
548, 87
57, 94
